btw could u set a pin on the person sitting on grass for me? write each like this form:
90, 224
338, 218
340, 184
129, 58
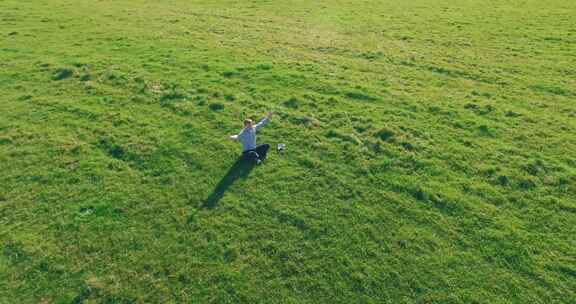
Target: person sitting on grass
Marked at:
250, 151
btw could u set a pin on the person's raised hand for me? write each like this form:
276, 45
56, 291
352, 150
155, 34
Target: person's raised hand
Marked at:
269, 114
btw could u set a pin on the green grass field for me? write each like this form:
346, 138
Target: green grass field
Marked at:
430, 151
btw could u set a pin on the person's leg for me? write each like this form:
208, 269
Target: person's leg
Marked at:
262, 150
250, 155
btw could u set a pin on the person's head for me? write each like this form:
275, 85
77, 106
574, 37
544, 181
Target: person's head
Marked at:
248, 123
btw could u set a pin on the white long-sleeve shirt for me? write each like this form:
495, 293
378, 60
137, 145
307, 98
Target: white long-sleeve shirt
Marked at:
248, 135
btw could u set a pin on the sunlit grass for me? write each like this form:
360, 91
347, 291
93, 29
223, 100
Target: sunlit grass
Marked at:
429, 151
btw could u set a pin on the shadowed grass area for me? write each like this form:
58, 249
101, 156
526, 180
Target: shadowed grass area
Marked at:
240, 169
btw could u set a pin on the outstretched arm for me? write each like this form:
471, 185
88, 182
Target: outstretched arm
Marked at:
233, 137
264, 121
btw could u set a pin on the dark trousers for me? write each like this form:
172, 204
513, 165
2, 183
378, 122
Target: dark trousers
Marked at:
256, 154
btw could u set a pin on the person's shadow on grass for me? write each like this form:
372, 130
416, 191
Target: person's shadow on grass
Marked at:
240, 169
